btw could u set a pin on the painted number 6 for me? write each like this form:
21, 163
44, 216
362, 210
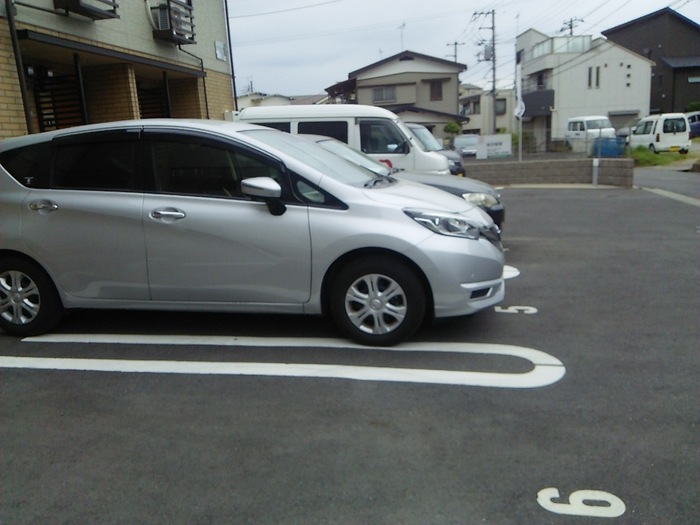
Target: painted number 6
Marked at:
602, 504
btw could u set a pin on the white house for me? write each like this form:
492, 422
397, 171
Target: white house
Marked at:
568, 76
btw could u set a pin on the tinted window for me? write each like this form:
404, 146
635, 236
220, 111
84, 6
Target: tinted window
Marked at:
337, 130
194, 168
95, 166
674, 125
29, 165
282, 126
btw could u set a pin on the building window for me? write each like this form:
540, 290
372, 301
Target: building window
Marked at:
384, 94
594, 77
500, 107
436, 90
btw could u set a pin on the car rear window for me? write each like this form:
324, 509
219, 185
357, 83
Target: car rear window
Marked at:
29, 165
674, 125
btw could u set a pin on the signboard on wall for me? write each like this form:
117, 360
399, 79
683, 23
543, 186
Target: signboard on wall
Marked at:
494, 146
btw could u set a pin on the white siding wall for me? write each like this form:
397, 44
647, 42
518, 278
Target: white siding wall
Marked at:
613, 91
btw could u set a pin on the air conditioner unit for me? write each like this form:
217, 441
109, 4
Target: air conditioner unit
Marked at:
160, 17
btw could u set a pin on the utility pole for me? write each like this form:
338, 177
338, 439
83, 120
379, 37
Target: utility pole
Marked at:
490, 56
570, 24
455, 44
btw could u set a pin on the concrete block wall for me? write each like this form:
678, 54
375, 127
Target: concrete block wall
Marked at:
614, 172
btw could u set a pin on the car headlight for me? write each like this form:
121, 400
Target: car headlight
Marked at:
481, 199
449, 224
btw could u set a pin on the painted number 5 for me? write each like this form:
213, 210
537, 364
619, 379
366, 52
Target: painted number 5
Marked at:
594, 503
529, 310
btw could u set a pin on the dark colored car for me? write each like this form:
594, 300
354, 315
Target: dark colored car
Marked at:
694, 121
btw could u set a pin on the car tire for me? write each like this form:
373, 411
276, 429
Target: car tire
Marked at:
652, 148
377, 301
29, 302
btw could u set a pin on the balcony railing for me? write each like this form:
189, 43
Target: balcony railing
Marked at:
94, 9
174, 21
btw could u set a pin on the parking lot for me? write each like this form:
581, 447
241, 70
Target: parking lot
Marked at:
575, 401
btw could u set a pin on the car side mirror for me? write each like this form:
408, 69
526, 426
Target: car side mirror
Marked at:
265, 189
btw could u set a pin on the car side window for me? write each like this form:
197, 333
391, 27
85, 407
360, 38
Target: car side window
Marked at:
107, 165
29, 165
282, 126
381, 136
196, 168
336, 129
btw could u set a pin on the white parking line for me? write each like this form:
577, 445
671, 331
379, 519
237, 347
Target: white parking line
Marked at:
546, 368
671, 195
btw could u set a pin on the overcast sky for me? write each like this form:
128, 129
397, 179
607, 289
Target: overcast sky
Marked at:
301, 47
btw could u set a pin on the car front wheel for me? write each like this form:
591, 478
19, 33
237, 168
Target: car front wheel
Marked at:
377, 301
29, 303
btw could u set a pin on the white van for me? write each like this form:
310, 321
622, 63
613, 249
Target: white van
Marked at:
663, 132
581, 132
375, 131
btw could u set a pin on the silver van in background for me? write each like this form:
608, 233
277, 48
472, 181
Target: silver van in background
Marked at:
375, 131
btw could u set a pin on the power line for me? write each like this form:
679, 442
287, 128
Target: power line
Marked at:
285, 10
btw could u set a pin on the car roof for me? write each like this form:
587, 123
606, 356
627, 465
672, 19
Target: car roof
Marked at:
320, 110
171, 124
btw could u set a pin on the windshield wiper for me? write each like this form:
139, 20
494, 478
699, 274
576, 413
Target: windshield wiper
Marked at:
383, 179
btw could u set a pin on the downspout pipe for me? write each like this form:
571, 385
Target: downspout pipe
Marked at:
230, 48
9, 7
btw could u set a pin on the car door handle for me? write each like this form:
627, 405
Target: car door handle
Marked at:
43, 205
168, 213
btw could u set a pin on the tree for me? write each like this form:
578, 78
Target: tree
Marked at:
452, 129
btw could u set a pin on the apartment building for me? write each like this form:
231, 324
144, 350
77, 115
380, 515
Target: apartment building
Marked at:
69, 62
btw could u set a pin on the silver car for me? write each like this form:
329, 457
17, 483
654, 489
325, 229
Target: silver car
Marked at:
225, 217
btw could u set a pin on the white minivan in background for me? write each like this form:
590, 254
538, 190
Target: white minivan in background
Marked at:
376, 131
581, 132
663, 132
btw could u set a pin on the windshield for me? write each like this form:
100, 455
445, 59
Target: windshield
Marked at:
598, 124
318, 158
356, 157
466, 140
426, 138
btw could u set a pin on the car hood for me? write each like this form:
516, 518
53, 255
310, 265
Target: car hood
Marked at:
456, 185
450, 154
408, 194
